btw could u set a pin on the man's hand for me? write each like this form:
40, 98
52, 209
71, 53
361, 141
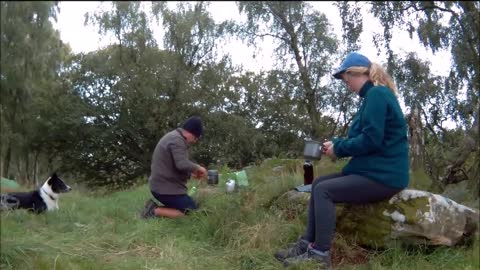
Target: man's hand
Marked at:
199, 173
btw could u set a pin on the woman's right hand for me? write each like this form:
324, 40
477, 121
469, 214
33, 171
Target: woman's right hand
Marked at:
327, 149
325, 146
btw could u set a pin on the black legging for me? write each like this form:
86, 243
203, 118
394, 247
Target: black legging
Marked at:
337, 188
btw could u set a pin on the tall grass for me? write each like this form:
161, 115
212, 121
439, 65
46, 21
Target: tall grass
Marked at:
231, 231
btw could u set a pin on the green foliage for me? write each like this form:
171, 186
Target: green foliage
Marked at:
32, 56
304, 49
352, 24
190, 32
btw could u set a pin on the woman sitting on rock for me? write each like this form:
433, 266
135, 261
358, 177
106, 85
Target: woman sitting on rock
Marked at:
379, 165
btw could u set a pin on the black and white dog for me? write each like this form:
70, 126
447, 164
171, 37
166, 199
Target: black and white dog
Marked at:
37, 201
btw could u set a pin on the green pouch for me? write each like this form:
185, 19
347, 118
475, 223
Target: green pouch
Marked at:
242, 179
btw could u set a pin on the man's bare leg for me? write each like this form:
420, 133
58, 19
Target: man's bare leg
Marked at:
168, 212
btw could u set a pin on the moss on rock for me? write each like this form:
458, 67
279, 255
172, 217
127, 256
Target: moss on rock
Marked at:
411, 217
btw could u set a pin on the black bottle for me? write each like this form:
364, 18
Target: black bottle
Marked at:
307, 172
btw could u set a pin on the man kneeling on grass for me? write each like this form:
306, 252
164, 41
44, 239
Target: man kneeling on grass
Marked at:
170, 171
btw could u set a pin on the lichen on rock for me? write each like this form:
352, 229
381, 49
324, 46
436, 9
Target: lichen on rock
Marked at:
412, 217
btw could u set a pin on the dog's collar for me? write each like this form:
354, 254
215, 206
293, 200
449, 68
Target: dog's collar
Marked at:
51, 197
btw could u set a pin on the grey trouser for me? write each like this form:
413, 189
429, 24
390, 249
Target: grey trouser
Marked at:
337, 188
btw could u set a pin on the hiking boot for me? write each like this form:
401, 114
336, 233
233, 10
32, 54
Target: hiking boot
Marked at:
312, 254
293, 250
149, 209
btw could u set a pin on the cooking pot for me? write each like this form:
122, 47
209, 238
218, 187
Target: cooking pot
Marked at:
312, 150
230, 185
212, 177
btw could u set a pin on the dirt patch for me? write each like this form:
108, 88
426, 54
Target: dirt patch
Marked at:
348, 254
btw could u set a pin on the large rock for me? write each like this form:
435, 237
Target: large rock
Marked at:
412, 217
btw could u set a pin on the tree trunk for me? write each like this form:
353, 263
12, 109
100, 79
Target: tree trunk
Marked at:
417, 145
27, 169
35, 168
19, 176
310, 100
6, 161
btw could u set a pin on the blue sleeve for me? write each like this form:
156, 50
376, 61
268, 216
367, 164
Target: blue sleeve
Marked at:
372, 126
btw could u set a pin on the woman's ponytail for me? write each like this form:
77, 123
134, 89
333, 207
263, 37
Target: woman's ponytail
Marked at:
379, 76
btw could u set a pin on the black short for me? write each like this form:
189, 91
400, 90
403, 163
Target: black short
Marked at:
182, 202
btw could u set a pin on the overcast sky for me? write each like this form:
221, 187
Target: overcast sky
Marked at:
85, 38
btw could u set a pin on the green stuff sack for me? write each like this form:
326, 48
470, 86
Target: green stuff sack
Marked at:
242, 179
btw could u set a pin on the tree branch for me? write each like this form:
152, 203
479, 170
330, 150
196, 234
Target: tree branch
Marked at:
428, 125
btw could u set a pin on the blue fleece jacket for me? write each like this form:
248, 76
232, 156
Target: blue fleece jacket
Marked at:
377, 139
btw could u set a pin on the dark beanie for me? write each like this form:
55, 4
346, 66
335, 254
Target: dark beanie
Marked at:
194, 126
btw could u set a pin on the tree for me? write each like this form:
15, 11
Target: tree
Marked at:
121, 89
422, 95
136, 92
303, 35
31, 59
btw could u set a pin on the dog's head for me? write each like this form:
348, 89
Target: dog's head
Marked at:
57, 185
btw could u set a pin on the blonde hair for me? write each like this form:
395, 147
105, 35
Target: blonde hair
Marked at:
377, 75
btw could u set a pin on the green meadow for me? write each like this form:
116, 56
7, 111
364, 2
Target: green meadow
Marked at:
102, 230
